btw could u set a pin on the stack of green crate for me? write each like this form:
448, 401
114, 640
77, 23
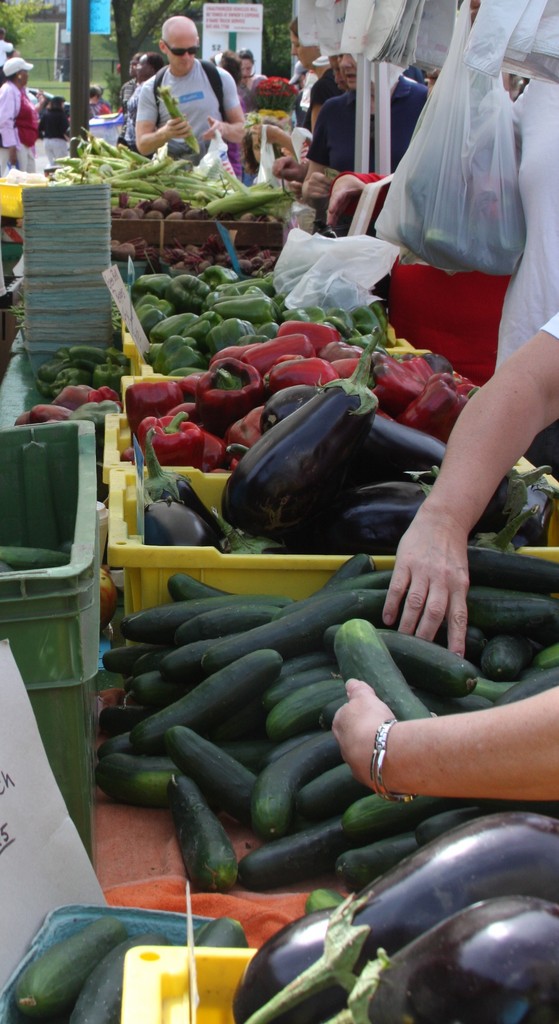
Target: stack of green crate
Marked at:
51, 616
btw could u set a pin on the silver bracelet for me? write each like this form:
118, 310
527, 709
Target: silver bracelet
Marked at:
377, 762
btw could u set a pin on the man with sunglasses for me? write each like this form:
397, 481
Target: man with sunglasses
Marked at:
196, 96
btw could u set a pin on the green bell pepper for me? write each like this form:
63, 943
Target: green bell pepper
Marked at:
257, 309
200, 329
95, 412
187, 293
149, 316
268, 330
364, 319
48, 372
150, 284
216, 275
71, 375
109, 375
177, 324
340, 319
306, 314
152, 300
178, 351
227, 333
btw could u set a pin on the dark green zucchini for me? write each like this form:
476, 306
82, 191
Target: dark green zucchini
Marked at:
379, 580
547, 679
373, 818
303, 662
298, 632
428, 666
357, 868
489, 689
225, 782
288, 684
100, 998
215, 623
206, 850
504, 570
213, 701
248, 723
151, 661
183, 587
430, 828
294, 858
504, 657
497, 611
51, 983
223, 933
160, 623
121, 660
354, 567
548, 657
475, 641
376, 599
455, 705
362, 654
135, 779
115, 745
330, 793
252, 753
328, 712
277, 750
118, 718
300, 710
273, 796
184, 664
152, 691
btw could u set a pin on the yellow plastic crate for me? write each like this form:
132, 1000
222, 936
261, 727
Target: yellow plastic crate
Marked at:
156, 984
11, 196
131, 351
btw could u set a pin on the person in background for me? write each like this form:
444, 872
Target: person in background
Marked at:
193, 90
276, 134
305, 55
54, 129
249, 80
147, 66
231, 62
474, 754
6, 49
97, 105
323, 89
19, 119
129, 87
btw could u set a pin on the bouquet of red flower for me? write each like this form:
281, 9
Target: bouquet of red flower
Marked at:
275, 94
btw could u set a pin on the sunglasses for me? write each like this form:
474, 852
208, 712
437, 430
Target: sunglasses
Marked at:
179, 51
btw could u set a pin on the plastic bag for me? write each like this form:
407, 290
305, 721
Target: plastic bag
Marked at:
316, 271
216, 159
454, 201
265, 174
520, 36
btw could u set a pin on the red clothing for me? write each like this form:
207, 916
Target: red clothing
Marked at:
27, 122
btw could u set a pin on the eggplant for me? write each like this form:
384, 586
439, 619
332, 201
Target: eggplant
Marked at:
284, 402
392, 449
438, 362
295, 469
508, 853
492, 963
169, 522
533, 532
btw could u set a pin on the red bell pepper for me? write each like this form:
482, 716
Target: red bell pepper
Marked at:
318, 334
176, 441
228, 390
104, 394
394, 385
289, 372
215, 455
339, 350
232, 351
436, 409
44, 414
189, 384
344, 367
150, 398
188, 407
246, 430
464, 386
418, 365
263, 355
74, 395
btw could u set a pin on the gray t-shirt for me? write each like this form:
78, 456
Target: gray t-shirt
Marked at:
196, 99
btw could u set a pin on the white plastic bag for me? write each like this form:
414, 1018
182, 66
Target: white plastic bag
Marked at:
316, 271
265, 174
454, 201
216, 159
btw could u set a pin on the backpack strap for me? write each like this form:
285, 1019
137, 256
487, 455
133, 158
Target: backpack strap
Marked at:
214, 79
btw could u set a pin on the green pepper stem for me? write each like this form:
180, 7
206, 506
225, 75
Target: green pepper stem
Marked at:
173, 426
224, 380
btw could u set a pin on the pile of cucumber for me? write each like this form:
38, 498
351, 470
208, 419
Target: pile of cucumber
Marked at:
230, 700
79, 978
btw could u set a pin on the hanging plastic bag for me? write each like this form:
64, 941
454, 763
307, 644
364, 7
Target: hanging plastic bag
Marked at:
454, 201
216, 160
265, 174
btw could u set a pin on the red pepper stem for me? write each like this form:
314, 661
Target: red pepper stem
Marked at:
175, 423
358, 383
158, 479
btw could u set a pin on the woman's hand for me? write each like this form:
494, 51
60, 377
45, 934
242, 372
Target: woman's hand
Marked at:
345, 190
355, 725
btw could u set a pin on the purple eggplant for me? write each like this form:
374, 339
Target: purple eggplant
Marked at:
391, 449
169, 522
510, 853
284, 402
493, 963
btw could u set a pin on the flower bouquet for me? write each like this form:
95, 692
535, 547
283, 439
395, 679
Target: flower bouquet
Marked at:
275, 96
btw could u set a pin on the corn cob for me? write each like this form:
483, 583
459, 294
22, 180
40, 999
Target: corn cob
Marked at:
173, 111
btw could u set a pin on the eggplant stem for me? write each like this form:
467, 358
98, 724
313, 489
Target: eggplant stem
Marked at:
158, 480
343, 944
365, 988
357, 384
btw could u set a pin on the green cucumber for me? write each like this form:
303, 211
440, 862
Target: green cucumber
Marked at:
548, 657
135, 779
504, 657
504, 570
300, 631
294, 858
222, 933
328, 712
248, 723
216, 623
457, 705
489, 689
373, 818
288, 684
212, 701
118, 718
206, 850
152, 691
322, 899
376, 601
115, 745
277, 750
121, 660
362, 654
22, 559
183, 587
100, 998
160, 623
379, 580
184, 664
497, 611
353, 567
438, 824
273, 796
330, 793
225, 782
300, 710
251, 753
151, 660
357, 868
428, 666
303, 662
547, 679
51, 983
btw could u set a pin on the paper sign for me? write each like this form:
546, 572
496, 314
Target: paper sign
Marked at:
43, 863
121, 297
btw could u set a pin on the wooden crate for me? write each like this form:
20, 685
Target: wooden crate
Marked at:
160, 233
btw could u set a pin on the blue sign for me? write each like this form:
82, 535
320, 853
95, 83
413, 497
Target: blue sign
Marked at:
99, 17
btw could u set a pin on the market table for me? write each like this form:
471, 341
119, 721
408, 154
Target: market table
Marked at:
17, 390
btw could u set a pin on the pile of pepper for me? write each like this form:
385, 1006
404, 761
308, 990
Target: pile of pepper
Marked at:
88, 365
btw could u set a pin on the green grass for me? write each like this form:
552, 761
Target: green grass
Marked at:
38, 48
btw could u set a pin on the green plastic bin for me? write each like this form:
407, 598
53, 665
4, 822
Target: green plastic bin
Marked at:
51, 616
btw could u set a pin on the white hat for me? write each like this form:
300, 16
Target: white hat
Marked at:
321, 62
298, 70
15, 64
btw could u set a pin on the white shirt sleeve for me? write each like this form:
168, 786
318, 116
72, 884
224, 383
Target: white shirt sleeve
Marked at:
552, 326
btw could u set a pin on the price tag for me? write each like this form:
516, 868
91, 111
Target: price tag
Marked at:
121, 297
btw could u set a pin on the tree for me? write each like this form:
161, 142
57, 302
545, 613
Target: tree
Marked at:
15, 17
138, 22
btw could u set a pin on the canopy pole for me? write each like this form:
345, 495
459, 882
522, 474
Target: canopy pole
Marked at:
79, 72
